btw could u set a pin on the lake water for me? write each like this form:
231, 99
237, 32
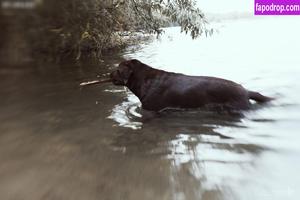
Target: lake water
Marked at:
60, 141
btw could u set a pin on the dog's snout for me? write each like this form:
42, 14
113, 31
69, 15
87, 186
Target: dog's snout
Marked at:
116, 78
112, 74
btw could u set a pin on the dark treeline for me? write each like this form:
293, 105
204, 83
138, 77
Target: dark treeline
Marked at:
77, 28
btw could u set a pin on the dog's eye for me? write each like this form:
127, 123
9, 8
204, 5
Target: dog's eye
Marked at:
119, 72
127, 64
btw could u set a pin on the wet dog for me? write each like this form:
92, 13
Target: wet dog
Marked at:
158, 89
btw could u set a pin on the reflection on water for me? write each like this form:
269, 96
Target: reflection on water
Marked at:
60, 141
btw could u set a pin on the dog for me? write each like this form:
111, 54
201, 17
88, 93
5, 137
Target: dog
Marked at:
158, 90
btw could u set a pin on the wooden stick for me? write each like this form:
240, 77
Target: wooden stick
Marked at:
95, 82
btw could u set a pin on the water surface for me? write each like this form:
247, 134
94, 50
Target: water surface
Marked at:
60, 141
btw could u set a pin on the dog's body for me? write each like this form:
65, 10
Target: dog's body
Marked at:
159, 89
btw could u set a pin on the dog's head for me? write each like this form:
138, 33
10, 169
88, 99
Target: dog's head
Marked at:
123, 72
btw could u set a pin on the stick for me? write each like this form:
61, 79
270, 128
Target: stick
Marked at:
95, 82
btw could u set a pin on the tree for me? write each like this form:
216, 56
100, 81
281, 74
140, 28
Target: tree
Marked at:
182, 12
77, 27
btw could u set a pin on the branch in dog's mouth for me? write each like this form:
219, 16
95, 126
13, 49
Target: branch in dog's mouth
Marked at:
96, 82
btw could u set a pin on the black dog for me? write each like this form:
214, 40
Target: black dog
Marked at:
158, 89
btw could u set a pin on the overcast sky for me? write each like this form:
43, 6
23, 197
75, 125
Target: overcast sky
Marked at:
226, 6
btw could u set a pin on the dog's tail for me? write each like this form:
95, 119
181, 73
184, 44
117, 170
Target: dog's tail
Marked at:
259, 97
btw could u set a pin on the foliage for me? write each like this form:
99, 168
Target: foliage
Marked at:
182, 12
89, 27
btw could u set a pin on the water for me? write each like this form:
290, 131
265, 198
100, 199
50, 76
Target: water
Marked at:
60, 141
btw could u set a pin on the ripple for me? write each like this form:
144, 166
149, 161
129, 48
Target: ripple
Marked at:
126, 114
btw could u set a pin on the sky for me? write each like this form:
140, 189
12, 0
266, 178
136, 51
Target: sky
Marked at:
226, 6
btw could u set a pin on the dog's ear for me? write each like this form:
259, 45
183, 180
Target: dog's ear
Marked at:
125, 73
126, 68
